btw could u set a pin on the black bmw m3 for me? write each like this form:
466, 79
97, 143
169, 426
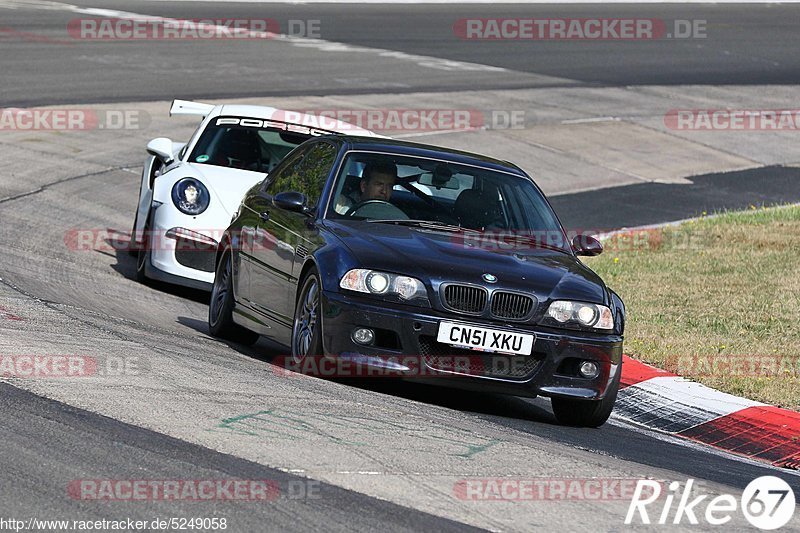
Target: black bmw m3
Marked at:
387, 252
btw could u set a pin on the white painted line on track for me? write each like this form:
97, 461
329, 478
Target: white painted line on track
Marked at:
591, 120
431, 133
681, 390
673, 404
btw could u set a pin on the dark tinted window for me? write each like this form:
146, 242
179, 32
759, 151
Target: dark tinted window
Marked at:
244, 144
305, 173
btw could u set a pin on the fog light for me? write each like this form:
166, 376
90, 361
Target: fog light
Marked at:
363, 336
589, 369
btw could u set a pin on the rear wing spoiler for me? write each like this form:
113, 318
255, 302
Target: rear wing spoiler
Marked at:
185, 107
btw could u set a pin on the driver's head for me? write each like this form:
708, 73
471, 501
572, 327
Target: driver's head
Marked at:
378, 180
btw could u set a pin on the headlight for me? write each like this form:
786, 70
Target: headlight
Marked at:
581, 314
190, 196
374, 282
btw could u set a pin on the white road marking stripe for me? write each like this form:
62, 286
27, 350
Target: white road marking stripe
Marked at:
591, 120
436, 132
673, 404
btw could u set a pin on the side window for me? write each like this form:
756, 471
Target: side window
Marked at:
306, 173
287, 166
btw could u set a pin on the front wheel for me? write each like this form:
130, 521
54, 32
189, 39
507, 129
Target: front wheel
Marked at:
143, 255
132, 249
587, 413
307, 330
220, 308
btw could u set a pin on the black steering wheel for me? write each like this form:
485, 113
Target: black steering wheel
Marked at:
351, 212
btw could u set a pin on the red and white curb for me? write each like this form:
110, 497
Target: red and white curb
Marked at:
669, 403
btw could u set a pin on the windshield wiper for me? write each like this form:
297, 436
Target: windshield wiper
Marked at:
427, 224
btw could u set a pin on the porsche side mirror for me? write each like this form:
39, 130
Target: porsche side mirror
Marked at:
161, 148
586, 245
291, 201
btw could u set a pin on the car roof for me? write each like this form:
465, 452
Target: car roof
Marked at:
377, 144
293, 117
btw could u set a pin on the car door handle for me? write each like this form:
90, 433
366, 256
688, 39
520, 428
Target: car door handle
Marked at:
264, 216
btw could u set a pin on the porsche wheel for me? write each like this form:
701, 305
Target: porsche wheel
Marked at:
143, 255
133, 250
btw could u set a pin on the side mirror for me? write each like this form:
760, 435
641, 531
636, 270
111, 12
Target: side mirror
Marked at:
291, 201
586, 245
161, 148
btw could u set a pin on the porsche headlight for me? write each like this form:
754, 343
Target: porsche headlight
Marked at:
581, 314
190, 196
382, 283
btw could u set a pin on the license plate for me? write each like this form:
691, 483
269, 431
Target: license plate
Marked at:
485, 339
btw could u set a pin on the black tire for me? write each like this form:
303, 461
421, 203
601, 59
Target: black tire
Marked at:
133, 249
143, 255
307, 328
220, 308
587, 413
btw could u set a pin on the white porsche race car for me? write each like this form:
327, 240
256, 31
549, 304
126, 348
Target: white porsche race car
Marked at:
190, 191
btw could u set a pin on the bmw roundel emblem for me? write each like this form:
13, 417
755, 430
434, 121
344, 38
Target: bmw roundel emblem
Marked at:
489, 278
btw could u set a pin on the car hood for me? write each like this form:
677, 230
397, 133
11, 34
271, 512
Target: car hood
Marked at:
225, 185
438, 256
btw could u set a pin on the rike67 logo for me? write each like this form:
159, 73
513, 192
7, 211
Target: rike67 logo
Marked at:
767, 502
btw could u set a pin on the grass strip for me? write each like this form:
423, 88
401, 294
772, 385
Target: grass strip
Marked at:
715, 299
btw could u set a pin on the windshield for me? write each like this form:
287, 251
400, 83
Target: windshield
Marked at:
436, 194
230, 142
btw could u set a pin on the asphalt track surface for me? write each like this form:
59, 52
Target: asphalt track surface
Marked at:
158, 427
83, 445
743, 45
653, 203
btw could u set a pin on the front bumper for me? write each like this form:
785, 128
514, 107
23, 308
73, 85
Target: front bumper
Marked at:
402, 330
178, 257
